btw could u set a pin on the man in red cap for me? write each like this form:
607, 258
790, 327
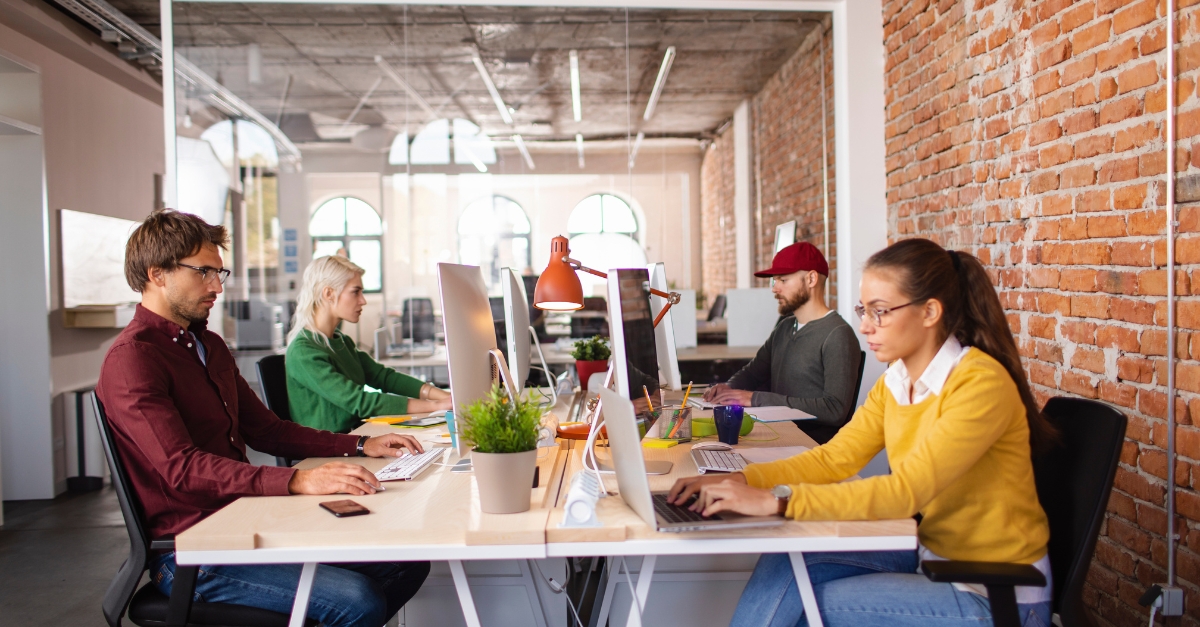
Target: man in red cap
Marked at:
811, 360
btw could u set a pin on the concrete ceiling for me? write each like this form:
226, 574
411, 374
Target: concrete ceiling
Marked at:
329, 52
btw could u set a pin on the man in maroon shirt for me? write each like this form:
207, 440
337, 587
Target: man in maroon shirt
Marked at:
182, 415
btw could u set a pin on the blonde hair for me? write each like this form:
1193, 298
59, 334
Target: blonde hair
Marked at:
333, 272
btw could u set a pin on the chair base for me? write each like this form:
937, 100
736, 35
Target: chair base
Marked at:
149, 609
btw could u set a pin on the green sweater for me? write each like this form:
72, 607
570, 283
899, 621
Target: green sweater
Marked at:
325, 387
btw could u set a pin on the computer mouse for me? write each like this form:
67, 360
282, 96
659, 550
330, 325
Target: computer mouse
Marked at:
713, 446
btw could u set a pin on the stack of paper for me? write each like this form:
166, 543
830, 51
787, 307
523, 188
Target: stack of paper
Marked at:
778, 414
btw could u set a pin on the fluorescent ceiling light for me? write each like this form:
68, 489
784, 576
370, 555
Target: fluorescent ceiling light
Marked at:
473, 157
637, 143
412, 93
524, 151
254, 64
579, 147
659, 82
487, 80
575, 101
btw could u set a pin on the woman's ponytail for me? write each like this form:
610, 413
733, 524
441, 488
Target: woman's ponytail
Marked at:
971, 311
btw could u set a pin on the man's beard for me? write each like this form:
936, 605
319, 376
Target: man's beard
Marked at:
789, 305
190, 311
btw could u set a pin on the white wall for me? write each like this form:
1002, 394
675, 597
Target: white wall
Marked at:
103, 144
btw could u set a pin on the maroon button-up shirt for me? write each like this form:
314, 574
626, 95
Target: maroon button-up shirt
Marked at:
182, 427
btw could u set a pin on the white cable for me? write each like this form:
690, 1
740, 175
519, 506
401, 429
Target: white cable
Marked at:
558, 588
1153, 611
545, 368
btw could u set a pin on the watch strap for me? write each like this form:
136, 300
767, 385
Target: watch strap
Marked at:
358, 450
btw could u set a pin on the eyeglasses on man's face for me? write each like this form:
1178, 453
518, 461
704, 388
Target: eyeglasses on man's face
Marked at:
208, 273
876, 314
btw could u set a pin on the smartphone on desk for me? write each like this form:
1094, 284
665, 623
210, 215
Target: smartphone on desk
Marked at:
344, 508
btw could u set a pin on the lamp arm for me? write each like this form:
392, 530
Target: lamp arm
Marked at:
672, 297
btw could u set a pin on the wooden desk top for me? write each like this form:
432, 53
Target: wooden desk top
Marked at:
437, 516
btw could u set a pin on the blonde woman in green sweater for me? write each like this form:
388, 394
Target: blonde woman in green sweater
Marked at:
326, 373
958, 420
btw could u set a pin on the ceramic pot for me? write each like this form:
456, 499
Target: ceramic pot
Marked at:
505, 480
586, 369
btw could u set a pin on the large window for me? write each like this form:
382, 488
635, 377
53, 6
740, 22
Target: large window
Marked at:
604, 234
493, 233
350, 227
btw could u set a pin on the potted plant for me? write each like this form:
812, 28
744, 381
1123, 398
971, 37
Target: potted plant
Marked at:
591, 356
505, 435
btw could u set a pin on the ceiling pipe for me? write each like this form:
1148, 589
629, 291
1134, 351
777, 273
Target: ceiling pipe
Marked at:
408, 89
1171, 358
576, 100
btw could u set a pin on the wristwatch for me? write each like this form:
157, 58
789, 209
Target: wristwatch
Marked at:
782, 494
362, 439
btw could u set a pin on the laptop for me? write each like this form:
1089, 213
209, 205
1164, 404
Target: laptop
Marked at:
626, 447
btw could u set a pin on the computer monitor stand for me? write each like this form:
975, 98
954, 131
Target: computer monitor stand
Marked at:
653, 467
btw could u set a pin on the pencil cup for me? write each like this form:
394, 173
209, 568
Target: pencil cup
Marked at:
677, 424
728, 420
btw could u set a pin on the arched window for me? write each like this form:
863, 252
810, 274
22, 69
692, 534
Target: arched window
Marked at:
493, 233
350, 225
604, 234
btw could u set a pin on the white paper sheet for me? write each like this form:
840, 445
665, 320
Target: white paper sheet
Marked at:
769, 453
778, 414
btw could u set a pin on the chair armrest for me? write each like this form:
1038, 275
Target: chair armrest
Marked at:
986, 573
165, 543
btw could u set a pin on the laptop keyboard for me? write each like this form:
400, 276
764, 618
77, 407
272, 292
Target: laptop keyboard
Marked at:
676, 513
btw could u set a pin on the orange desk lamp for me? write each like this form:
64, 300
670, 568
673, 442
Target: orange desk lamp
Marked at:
559, 289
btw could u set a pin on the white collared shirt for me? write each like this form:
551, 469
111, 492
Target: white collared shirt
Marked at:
909, 392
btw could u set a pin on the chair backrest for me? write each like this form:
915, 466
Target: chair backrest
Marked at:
417, 320
121, 590
718, 308
1073, 483
272, 377
862, 364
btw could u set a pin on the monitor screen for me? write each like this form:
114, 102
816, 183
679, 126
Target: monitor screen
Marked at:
515, 314
634, 353
664, 333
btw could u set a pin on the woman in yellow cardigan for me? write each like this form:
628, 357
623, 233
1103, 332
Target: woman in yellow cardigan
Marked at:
956, 415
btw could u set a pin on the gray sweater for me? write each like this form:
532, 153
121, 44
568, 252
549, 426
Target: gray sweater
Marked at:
814, 370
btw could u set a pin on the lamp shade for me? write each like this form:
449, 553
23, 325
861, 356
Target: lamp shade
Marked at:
558, 288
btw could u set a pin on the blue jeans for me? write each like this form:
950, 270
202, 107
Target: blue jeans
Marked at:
343, 595
867, 589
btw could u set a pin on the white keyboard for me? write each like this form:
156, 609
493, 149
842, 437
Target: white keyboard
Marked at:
717, 461
700, 403
409, 466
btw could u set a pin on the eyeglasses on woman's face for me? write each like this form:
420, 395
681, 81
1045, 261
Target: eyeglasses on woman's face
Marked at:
876, 314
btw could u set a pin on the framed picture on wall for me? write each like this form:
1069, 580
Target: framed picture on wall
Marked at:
785, 235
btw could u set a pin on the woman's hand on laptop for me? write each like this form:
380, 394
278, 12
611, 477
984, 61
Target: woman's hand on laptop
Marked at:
730, 496
391, 445
684, 488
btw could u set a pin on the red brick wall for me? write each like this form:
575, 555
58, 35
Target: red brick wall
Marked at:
787, 120
1032, 134
786, 144
718, 265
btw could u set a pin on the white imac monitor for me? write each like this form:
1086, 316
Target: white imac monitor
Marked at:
664, 333
472, 358
634, 355
516, 324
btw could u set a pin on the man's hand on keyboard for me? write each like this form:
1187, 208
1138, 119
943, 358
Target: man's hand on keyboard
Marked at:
713, 392
334, 478
391, 445
688, 486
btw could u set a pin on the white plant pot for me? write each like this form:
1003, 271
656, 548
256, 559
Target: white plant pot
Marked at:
505, 480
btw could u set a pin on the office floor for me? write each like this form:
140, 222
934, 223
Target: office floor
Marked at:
57, 558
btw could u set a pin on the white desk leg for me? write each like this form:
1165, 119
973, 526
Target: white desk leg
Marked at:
610, 585
807, 596
464, 593
303, 590
638, 604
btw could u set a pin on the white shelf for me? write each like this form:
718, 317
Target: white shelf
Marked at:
10, 126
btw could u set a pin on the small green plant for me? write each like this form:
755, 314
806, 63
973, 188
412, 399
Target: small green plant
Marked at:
594, 348
497, 425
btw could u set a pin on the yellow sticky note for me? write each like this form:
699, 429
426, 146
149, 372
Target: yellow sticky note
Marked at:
387, 420
657, 443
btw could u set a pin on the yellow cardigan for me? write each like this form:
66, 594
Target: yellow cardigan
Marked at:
960, 458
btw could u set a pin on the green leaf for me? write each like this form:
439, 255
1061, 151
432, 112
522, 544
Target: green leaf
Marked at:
591, 349
497, 425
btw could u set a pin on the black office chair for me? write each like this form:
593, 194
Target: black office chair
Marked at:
862, 364
718, 308
149, 607
272, 378
417, 320
1073, 484
589, 327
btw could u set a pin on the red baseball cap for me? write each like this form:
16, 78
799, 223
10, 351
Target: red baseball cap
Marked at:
798, 257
